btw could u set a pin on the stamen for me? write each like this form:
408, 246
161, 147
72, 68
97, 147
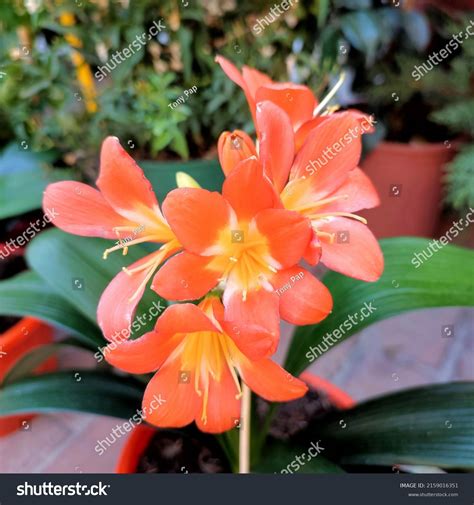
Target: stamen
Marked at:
259, 260
310, 206
204, 404
330, 236
336, 214
228, 358
329, 96
123, 245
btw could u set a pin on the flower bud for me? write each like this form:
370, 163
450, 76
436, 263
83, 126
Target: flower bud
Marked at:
233, 148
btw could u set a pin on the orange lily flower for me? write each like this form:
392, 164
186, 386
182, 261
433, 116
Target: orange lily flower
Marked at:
240, 243
124, 208
323, 183
296, 100
199, 357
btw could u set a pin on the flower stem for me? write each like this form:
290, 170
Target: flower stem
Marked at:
244, 440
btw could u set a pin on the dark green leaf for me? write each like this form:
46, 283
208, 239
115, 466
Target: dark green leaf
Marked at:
443, 280
281, 458
73, 268
430, 425
28, 295
82, 391
23, 178
33, 359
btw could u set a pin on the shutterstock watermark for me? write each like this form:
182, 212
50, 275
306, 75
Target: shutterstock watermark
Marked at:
275, 12
14, 244
439, 56
124, 334
50, 489
134, 46
436, 245
330, 152
120, 430
352, 320
301, 460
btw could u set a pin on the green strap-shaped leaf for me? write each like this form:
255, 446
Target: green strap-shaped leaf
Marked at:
73, 268
81, 390
27, 294
430, 425
288, 459
26, 365
445, 279
24, 174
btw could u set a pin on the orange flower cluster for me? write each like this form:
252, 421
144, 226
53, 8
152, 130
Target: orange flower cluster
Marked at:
237, 253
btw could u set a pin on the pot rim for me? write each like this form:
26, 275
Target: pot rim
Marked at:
141, 435
415, 146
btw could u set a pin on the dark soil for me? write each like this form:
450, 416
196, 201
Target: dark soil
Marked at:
183, 452
196, 452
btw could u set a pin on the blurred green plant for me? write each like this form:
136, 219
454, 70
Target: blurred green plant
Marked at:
418, 99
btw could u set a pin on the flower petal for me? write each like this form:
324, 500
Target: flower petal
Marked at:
181, 403
303, 298
223, 408
79, 209
147, 353
288, 234
119, 301
258, 310
141, 355
359, 191
296, 100
341, 136
124, 186
271, 381
277, 148
305, 129
248, 191
358, 255
313, 252
234, 74
185, 276
254, 80
251, 339
196, 216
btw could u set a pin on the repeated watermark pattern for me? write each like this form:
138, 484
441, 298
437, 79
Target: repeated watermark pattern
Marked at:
275, 12
299, 461
436, 245
136, 45
119, 430
437, 57
181, 100
124, 334
330, 152
14, 244
352, 320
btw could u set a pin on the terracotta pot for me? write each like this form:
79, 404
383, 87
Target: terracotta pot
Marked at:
14, 344
138, 440
408, 179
